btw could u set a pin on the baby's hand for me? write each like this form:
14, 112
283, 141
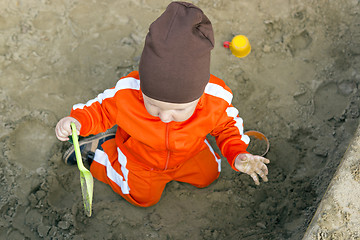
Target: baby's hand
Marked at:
63, 128
253, 166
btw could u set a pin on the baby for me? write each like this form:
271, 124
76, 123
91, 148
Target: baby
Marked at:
163, 114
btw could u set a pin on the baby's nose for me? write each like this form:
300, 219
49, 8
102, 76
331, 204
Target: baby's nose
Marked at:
165, 116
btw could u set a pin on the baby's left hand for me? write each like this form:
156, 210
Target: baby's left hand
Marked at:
252, 165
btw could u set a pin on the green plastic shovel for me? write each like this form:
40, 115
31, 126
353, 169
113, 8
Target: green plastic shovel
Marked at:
86, 179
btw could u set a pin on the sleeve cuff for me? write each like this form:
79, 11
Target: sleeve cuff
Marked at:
232, 150
85, 126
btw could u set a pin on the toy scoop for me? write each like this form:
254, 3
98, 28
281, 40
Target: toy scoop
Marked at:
86, 179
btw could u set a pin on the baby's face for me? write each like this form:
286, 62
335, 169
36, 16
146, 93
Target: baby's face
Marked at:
168, 112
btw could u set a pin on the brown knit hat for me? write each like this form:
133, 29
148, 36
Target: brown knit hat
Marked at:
175, 63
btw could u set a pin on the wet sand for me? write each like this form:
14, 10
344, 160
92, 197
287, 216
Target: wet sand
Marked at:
299, 86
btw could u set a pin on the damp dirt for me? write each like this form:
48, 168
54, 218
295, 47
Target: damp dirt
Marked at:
299, 86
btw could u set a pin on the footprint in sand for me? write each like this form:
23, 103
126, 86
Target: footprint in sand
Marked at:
329, 101
31, 143
300, 42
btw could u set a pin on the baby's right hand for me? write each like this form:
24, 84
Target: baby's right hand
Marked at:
63, 128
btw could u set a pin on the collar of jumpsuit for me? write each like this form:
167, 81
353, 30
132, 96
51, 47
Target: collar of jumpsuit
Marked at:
168, 112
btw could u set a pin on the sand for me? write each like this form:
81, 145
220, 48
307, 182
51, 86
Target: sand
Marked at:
299, 86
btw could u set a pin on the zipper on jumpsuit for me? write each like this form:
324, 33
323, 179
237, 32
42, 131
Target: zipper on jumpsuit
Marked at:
167, 146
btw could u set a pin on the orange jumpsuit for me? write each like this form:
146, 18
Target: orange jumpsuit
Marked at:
146, 153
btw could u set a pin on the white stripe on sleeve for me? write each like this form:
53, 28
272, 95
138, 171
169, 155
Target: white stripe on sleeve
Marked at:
218, 91
233, 112
125, 83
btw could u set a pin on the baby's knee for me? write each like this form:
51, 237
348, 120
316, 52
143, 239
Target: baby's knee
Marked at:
144, 195
207, 180
148, 202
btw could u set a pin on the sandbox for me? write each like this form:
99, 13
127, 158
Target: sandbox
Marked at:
338, 215
299, 86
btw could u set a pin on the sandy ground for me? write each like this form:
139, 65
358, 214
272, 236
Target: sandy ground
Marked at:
299, 86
